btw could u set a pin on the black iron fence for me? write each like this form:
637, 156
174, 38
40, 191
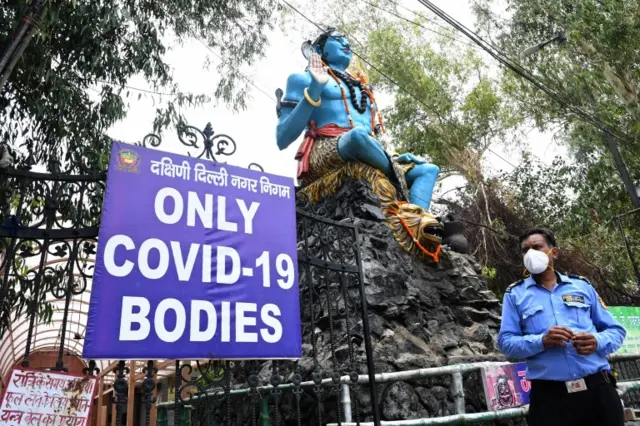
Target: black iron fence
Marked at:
335, 344
48, 241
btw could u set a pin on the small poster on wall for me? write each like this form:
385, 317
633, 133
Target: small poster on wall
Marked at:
47, 398
505, 386
629, 318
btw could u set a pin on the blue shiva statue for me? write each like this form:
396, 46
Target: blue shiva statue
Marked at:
341, 119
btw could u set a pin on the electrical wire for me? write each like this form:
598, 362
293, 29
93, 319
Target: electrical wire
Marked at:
520, 71
362, 58
214, 53
502, 158
153, 92
247, 79
446, 28
426, 18
419, 24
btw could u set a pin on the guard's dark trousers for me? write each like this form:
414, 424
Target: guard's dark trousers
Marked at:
599, 405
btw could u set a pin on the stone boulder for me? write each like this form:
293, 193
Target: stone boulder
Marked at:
420, 314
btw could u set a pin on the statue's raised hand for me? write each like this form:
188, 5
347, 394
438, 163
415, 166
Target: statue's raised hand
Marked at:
317, 69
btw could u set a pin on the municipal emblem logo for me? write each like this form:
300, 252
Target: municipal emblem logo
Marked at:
128, 161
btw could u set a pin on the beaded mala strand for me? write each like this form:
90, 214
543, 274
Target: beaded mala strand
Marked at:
352, 83
365, 95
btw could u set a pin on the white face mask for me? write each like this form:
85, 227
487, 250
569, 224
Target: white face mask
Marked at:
536, 261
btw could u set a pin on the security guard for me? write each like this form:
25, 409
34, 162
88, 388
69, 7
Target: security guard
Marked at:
563, 330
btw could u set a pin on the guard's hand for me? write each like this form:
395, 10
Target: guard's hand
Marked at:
557, 337
409, 158
584, 343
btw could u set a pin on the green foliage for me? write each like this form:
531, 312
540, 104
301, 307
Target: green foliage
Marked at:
46, 108
448, 105
595, 70
211, 374
581, 216
489, 273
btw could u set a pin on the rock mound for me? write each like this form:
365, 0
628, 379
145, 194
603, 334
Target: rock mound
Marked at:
421, 315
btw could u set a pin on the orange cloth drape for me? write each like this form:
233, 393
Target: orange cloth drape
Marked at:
304, 152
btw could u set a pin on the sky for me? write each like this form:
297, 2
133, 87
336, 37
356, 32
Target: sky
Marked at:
254, 128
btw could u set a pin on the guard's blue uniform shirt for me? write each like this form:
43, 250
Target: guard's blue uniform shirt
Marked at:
530, 310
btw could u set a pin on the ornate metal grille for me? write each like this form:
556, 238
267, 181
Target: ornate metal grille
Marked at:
336, 345
48, 242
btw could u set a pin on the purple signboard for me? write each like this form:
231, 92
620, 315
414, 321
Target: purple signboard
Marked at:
195, 260
506, 386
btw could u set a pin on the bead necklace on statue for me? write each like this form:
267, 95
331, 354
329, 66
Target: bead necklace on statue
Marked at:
352, 83
365, 96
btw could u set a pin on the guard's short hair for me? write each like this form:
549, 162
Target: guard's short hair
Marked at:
546, 233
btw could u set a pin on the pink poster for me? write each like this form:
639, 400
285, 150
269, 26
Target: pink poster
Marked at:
505, 386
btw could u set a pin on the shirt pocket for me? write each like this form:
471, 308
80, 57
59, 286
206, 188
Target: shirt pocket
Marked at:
578, 314
534, 319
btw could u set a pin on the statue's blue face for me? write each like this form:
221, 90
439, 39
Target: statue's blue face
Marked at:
337, 51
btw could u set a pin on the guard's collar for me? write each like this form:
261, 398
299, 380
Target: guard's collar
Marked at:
562, 279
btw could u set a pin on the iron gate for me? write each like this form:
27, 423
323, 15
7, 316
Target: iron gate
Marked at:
336, 343
48, 242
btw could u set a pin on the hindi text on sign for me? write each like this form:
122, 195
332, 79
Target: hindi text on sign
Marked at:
197, 259
46, 398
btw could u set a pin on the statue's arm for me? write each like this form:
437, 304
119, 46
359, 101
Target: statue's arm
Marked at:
292, 122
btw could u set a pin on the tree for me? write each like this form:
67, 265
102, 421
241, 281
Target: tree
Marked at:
594, 70
47, 113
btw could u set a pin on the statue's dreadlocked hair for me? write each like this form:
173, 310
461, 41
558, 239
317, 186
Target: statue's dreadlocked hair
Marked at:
322, 38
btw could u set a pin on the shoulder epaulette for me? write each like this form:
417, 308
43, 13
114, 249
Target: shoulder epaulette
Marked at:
517, 283
579, 277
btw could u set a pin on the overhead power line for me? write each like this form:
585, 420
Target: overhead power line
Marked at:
153, 92
362, 58
426, 18
519, 70
244, 77
447, 36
